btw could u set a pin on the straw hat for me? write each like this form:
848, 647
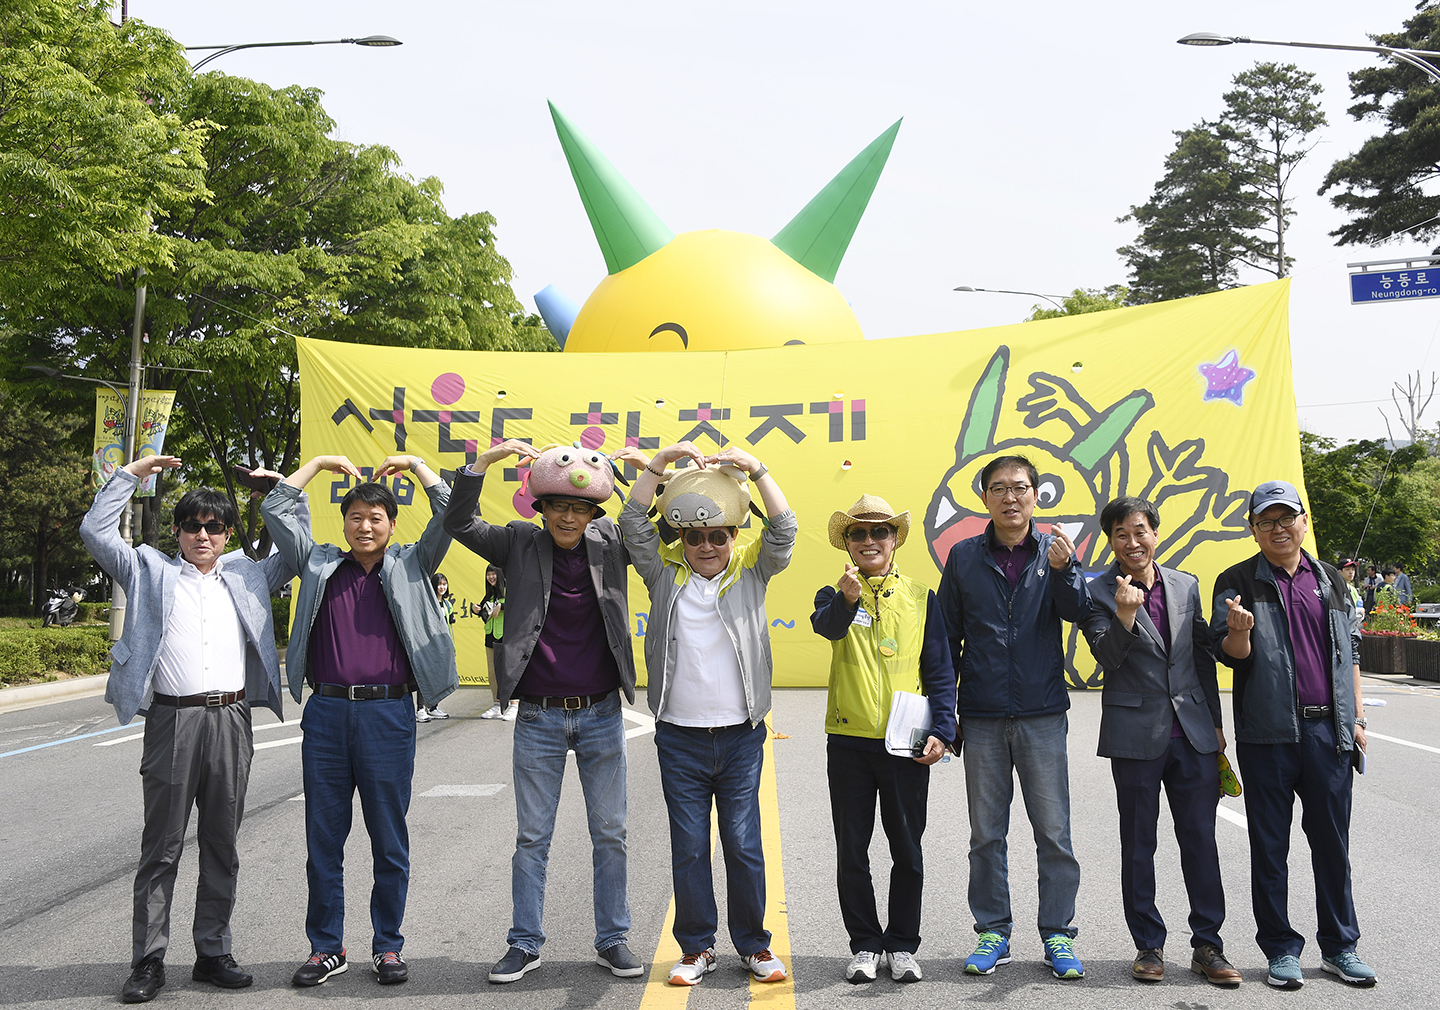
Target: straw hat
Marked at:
869, 506
695, 498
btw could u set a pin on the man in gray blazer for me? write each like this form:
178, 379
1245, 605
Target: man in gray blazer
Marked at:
1160, 723
197, 652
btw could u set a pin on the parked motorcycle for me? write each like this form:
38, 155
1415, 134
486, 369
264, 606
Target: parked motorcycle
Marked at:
62, 606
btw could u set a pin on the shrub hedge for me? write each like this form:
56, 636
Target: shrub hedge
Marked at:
280, 613
33, 653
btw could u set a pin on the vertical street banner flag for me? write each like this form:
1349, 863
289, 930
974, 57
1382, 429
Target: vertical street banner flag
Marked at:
155, 408
1186, 403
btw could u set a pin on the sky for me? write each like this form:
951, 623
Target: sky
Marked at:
1027, 132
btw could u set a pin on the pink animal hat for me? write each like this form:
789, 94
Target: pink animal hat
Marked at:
572, 471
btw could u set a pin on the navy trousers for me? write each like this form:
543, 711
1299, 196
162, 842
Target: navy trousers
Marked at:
1192, 785
1274, 774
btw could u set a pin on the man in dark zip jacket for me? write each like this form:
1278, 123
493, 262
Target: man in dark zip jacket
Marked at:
1285, 623
1003, 595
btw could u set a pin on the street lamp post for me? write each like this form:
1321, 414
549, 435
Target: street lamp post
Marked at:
1003, 291
371, 41
1416, 58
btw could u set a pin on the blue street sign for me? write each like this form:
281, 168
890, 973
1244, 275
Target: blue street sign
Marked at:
1394, 285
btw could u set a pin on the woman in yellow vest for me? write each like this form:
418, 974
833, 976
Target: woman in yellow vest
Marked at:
888, 635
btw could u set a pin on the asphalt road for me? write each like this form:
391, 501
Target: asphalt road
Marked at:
71, 825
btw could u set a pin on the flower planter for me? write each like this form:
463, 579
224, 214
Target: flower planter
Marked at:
1383, 653
1422, 658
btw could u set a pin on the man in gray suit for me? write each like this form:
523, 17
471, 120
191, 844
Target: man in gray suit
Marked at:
1160, 723
197, 652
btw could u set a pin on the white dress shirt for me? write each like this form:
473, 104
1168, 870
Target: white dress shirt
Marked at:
706, 688
204, 647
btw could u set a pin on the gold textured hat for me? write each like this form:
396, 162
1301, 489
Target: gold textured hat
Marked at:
875, 509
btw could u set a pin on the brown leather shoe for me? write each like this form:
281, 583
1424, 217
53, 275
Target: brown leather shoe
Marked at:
1210, 962
1149, 965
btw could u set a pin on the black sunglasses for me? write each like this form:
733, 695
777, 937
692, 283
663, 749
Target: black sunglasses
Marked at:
194, 526
859, 534
718, 538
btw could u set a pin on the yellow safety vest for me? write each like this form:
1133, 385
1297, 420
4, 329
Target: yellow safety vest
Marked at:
871, 663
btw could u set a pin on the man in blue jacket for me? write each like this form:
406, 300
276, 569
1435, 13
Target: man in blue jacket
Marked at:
1003, 595
1285, 623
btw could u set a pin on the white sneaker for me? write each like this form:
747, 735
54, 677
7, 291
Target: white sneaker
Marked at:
436, 712
903, 966
511, 712
864, 966
765, 966
691, 968
493, 712
421, 715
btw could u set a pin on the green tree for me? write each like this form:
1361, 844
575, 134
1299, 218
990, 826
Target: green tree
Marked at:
1267, 122
302, 235
1385, 187
1083, 300
1198, 226
87, 157
1363, 494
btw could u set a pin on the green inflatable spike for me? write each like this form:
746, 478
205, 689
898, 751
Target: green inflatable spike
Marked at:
818, 236
625, 226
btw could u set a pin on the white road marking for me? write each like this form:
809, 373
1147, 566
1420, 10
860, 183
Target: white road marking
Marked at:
141, 736
1403, 743
643, 723
279, 743
1232, 816
486, 789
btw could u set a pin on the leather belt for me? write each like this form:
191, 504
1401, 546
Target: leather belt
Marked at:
215, 699
363, 692
1315, 711
570, 704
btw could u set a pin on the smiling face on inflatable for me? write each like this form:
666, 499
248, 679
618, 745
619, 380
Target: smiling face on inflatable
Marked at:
710, 290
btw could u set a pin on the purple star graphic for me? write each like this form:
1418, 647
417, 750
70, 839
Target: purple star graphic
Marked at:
1225, 379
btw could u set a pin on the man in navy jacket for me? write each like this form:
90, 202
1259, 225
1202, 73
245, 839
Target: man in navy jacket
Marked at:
1003, 595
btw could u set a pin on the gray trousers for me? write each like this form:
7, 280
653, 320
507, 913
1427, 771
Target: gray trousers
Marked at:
193, 757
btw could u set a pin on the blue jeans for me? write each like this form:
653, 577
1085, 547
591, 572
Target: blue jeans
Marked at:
723, 764
542, 737
995, 750
369, 747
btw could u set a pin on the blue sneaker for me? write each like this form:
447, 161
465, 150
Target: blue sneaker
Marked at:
1350, 968
992, 950
1060, 956
1285, 972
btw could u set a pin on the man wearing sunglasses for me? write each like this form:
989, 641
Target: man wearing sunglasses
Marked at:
707, 650
367, 633
566, 657
1003, 595
197, 652
1284, 621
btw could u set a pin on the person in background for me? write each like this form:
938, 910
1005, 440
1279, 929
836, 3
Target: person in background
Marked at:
491, 610
441, 585
886, 635
1402, 586
1348, 569
1372, 583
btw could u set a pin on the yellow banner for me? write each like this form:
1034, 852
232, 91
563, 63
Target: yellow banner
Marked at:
155, 407
1186, 403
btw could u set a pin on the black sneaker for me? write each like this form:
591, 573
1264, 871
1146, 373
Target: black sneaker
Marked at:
516, 962
620, 961
221, 970
320, 967
145, 980
389, 967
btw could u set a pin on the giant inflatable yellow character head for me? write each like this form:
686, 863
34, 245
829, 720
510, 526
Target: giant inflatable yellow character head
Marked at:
710, 290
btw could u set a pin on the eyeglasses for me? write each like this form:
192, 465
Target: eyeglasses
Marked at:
1284, 522
580, 508
213, 528
859, 534
1001, 490
717, 538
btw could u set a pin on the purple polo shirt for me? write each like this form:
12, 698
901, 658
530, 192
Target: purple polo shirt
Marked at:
1306, 613
1013, 560
1155, 608
354, 639
572, 656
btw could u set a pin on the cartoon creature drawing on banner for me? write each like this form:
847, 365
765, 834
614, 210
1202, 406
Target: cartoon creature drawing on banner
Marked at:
1082, 457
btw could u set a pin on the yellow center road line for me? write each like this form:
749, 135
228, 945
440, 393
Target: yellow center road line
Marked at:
659, 993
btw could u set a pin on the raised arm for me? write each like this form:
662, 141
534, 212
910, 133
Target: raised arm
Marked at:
281, 509
99, 529
462, 514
